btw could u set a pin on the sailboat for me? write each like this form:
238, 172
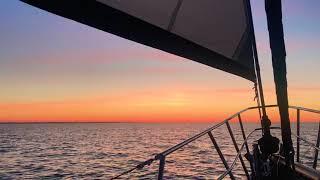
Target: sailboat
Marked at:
219, 34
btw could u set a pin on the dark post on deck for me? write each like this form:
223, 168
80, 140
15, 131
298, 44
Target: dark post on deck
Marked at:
161, 167
274, 17
315, 161
298, 135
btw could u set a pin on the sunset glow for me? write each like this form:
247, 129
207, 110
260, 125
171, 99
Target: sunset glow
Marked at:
56, 70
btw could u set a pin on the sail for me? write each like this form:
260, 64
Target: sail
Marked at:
211, 32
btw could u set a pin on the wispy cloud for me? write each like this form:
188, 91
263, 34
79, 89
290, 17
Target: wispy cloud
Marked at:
102, 56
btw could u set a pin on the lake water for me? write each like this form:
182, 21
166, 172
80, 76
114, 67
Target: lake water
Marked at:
102, 150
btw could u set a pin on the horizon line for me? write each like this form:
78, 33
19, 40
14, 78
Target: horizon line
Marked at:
135, 122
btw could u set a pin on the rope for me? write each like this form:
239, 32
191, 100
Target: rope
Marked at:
139, 167
256, 97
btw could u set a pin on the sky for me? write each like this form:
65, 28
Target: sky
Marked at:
57, 70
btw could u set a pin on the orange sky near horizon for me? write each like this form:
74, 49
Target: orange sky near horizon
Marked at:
160, 106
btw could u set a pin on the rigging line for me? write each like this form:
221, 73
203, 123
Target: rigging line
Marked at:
174, 15
257, 98
258, 102
139, 166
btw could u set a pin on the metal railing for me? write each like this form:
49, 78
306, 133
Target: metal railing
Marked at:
239, 152
316, 145
161, 157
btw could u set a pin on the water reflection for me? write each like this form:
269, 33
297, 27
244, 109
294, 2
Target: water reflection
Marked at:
103, 150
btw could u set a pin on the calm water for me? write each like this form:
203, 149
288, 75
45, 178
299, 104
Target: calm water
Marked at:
102, 150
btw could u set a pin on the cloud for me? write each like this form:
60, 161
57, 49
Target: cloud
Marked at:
101, 56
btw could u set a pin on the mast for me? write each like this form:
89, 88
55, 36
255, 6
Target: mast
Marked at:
267, 143
274, 17
265, 122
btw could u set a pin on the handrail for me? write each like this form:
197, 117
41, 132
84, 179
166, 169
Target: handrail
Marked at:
292, 107
246, 140
239, 153
307, 142
305, 109
180, 145
193, 138
315, 146
161, 156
